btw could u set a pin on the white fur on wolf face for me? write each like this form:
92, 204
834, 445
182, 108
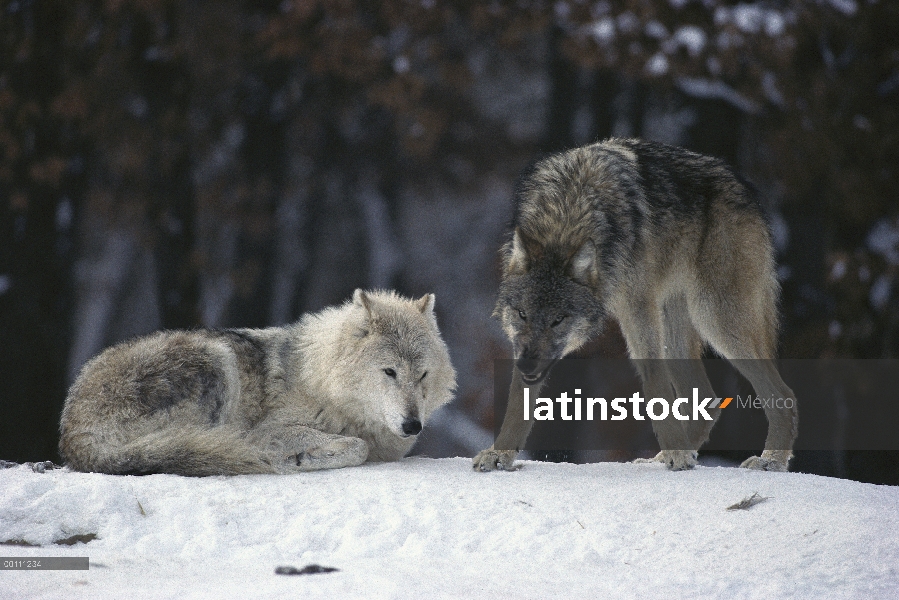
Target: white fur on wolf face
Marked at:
398, 390
399, 344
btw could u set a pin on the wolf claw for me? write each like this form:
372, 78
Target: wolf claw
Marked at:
676, 460
494, 460
761, 463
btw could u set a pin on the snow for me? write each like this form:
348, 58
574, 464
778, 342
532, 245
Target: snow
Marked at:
838, 270
690, 37
753, 18
748, 17
655, 29
604, 30
847, 7
771, 91
884, 240
775, 23
628, 22
700, 87
434, 528
879, 295
401, 64
657, 64
835, 330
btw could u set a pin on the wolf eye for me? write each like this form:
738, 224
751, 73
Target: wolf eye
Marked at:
523, 316
557, 321
390, 373
423, 375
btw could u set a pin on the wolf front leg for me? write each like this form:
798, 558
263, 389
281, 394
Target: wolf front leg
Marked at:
291, 447
677, 452
512, 434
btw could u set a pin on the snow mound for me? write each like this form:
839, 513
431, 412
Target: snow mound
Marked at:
434, 528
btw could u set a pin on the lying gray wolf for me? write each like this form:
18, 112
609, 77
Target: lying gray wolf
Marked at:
673, 246
342, 386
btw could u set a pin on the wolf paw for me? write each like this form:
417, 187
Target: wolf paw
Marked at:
495, 460
676, 460
335, 454
762, 463
43, 466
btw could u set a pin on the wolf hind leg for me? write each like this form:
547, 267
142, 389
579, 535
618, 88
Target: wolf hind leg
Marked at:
743, 332
189, 450
683, 353
782, 421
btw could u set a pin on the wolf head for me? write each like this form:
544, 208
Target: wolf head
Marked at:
547, 302
405, 366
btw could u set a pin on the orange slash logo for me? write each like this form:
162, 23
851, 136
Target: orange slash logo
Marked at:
719, 404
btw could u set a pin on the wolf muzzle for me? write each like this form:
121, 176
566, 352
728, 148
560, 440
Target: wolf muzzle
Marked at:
411, 426
534, 370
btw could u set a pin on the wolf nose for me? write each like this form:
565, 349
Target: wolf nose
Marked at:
411, 427
527, 366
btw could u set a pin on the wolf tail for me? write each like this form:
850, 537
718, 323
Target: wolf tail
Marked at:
192, 451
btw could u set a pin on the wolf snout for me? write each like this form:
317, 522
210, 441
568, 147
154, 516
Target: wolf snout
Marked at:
533, 370
532, 378
528, 366
411, 426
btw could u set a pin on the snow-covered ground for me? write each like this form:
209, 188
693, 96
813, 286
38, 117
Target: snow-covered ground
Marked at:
431, 528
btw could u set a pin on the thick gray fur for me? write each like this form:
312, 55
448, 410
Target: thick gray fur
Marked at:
673, 246
341, 386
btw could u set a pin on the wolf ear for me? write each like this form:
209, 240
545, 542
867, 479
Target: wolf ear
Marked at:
425, 304
360, 298
582, 266
523, 250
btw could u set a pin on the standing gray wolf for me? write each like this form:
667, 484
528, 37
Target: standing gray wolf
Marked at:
339, 387
673, 246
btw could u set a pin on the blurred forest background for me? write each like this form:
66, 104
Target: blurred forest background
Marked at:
175, 164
